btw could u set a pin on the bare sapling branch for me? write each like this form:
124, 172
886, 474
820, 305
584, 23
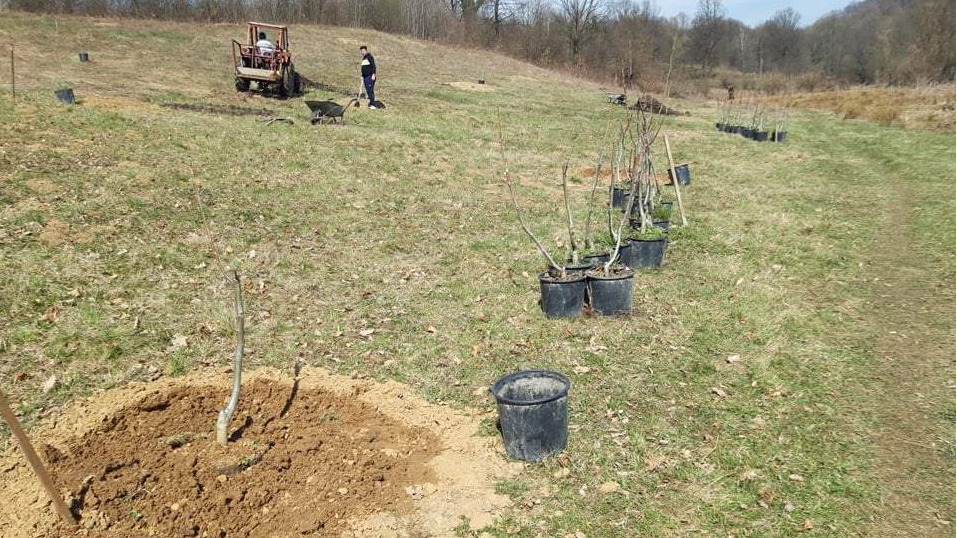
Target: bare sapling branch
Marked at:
226, 414
645, 189
634, 159
589, 242
616, 235
528, 231
568, 214
619, 156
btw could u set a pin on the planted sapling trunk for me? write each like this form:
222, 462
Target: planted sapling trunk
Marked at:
226, 414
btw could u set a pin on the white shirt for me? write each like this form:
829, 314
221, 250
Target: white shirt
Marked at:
265, 46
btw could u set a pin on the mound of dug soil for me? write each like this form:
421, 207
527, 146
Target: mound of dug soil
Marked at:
319, 456
648, 103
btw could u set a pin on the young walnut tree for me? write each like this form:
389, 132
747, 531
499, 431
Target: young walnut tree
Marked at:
226, 414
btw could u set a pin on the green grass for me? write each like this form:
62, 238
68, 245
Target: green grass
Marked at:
123, 216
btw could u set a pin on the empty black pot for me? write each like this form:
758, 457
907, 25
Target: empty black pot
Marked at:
683, 173
65, 96
532, 413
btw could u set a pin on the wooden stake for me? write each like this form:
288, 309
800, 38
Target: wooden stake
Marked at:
674, 172
34, 460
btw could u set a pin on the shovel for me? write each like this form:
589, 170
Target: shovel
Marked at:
361, 87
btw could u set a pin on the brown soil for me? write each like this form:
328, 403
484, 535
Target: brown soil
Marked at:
321, 456
648, 103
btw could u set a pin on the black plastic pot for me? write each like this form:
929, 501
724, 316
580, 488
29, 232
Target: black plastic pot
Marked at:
619, 196
65, 96
624, 253
683, 173
747, 133
759, 136
610, 295
663, 224
596, 258
779, 136
668, 205
562, 297
532, 413
647, 253
84, 57
719, 126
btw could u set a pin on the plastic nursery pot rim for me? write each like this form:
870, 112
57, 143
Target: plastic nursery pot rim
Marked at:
620, 275
499, 385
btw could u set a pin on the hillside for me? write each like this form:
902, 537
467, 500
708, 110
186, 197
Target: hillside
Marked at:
788, 371
160, 60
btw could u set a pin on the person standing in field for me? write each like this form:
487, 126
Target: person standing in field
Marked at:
368, 74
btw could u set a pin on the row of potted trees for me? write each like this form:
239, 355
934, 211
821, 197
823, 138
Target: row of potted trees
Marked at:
752, 122
598, 273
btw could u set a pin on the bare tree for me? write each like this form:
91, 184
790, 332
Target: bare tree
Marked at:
680, 24
707, 33
782, 42
935, 39
582, 17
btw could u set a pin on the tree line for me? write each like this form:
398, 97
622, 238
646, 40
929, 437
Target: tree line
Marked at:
625, 41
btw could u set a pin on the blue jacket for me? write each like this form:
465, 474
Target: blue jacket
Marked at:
368, 65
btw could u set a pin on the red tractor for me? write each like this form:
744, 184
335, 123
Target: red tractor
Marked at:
265, 59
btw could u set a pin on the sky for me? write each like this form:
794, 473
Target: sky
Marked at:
754, 12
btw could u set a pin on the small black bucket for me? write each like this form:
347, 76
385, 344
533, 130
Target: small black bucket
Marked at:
65, 96
84, 57
684, 175
533, 413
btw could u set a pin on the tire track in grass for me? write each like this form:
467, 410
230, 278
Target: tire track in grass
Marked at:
911, 314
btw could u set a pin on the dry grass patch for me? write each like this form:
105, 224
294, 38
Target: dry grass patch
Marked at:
926, 107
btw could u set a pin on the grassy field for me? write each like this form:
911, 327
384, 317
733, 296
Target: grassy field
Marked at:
789, 371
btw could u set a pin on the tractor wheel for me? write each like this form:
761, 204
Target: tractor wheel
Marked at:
242, 84
285, 82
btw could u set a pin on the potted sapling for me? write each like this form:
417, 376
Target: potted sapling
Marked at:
610, 284
647, 241
760, 134
562, 290
724, 115
780, 132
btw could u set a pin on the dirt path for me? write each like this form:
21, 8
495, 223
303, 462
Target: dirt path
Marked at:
911, 312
